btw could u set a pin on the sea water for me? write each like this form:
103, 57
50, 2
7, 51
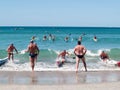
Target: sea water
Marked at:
108, 39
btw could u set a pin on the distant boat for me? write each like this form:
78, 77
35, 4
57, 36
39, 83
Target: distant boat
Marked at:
3, 61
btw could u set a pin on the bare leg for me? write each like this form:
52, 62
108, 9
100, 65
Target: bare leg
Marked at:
12, 57
36, 58
83, 60
32, 63
63, 61
8, 56
77, 64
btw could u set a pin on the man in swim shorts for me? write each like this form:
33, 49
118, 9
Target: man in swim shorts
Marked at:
32, 49
10, 50
80, 51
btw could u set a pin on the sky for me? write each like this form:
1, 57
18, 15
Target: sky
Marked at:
82, 13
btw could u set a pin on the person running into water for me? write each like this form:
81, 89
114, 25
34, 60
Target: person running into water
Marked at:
33, 52
80, 52
104, 56
10, 50
62, 55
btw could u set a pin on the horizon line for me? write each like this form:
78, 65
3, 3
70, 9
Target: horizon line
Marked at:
61, 26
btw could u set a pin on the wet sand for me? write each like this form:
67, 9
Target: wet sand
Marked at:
59, 80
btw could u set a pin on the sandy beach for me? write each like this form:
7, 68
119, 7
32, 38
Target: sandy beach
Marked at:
101, 86
56, 80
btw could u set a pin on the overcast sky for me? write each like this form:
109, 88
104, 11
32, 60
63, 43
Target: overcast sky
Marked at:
101, 13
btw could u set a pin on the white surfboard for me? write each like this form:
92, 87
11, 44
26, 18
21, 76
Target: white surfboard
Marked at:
108, 62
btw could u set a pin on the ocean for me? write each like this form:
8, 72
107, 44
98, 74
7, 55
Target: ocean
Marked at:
108, 40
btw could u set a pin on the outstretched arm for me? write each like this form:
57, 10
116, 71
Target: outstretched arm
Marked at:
107, 56
59, 55
28, 48
38, 49
67, 53
85, 50
16, 50
74, 51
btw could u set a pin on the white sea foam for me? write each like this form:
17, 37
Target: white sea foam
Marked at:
40, 66
97, 53
23, 51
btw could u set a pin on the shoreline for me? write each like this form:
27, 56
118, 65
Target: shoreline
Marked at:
59, 80
58, 77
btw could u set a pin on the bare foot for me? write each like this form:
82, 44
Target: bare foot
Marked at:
76, 71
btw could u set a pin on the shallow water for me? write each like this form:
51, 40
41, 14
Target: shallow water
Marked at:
108, 40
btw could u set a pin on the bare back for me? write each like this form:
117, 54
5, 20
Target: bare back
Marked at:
32, 48
63, 54
80, 50
10, 48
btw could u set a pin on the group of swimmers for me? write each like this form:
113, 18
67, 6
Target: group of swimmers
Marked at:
66, 38
32, 49
79, 52
50, 37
